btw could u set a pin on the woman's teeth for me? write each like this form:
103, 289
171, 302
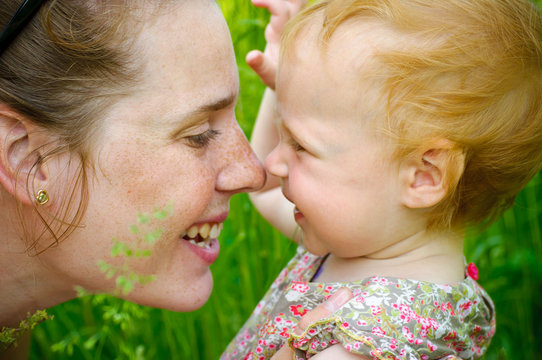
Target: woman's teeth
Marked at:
201, 235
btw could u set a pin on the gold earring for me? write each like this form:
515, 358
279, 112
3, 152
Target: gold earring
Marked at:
42, 197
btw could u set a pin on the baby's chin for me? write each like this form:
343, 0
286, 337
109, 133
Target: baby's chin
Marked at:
313, 249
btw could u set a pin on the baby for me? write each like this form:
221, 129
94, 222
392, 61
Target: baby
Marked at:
401, 123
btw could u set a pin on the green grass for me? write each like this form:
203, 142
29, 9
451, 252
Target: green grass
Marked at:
508, 256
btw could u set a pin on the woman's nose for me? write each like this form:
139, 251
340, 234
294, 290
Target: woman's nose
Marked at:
241, 170
275, 164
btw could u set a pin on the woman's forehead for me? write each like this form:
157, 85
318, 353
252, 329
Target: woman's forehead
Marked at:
188, 56
187, 65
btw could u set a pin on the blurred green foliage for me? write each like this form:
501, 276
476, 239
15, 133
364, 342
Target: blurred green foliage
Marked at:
508, 255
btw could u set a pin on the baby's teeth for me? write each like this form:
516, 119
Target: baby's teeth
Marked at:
193, 242
214, 231
192, 232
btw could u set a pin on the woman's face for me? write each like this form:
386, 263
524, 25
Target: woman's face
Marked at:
174, 140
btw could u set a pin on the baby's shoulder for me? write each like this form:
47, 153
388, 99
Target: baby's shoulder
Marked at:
390, 315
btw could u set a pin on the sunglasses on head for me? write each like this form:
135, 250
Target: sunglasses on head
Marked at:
17, 23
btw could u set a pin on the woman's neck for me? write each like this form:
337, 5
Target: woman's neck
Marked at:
427, 256
27, 285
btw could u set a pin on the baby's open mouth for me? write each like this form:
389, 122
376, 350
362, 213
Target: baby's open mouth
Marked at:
202, 234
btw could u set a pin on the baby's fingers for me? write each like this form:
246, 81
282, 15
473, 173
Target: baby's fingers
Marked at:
284, 353
324, 310
262, 66
280, 13
296, 5
275, 7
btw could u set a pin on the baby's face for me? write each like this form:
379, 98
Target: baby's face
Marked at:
339, 173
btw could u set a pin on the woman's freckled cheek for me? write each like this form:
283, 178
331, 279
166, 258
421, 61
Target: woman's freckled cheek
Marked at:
150, 174
132, 170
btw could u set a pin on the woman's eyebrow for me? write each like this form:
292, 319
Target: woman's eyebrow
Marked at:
214, 106
201, 113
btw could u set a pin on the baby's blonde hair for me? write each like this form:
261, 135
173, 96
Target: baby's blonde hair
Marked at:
462, 70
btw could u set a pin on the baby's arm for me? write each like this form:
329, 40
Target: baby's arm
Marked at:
270, 201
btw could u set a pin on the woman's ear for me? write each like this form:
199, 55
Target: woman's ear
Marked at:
429, 175
20, 142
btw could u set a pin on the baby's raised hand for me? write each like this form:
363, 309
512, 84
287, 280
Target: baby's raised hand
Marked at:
265, 64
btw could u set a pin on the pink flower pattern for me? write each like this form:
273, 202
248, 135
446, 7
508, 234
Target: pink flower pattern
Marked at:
389, 318
299, 286
298, 310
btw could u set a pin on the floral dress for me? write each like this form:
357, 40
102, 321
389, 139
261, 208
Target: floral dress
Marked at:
388, 318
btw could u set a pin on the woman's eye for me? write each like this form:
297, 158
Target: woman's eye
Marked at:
203, 139
295, 145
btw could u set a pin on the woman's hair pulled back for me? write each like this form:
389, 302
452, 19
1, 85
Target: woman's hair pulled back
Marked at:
63, 71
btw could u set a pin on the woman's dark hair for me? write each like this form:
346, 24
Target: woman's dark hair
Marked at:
63, 71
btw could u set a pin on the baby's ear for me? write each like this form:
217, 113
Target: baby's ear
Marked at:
429, 175
20, 142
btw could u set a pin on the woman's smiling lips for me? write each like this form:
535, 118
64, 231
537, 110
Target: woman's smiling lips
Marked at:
202, 237
209, 253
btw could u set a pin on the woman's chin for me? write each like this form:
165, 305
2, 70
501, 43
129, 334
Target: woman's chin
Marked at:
174, 296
